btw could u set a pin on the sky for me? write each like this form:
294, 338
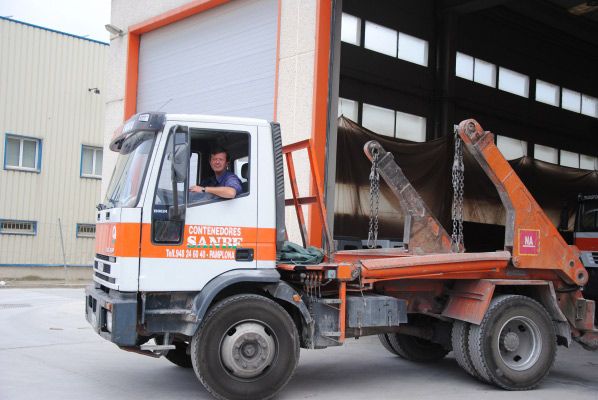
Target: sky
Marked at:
78, 17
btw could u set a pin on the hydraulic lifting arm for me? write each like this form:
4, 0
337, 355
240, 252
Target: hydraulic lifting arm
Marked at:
530, 236
423, 234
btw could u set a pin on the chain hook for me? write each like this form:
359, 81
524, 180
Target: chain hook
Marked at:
374, 200
458, 180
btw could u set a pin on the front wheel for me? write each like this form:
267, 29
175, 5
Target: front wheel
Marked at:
246, 348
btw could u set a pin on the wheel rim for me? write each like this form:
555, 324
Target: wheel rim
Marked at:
519, 343
247, 349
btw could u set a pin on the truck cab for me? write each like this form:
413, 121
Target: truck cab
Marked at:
158, 245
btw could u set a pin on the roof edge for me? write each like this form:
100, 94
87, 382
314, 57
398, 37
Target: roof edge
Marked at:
54, 31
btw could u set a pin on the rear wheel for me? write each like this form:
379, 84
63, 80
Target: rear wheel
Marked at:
383, 337
416, 349
246, 348
460, 344
514, 347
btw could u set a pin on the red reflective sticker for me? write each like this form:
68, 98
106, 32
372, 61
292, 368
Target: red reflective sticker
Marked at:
529, 241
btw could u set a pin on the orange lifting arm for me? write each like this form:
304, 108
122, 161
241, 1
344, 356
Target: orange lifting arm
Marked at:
530, 236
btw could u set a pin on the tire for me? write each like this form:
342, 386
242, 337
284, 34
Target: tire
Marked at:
246, 348
179, 355
514, 346
383, 337
416, 349
460, 344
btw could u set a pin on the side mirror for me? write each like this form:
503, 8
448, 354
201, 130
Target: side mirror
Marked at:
180, 165
180, 157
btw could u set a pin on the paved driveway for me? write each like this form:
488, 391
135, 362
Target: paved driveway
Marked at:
47, 351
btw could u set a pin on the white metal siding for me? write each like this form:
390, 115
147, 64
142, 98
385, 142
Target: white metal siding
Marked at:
44, 82
219, 62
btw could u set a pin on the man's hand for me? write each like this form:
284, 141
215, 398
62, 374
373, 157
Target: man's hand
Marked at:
196, 189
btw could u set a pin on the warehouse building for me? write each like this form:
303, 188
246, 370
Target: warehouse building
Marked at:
51, 122
408, 70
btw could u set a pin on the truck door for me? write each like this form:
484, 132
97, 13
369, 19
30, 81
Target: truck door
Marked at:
208, 235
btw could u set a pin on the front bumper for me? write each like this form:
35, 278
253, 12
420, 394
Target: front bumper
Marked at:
120, 307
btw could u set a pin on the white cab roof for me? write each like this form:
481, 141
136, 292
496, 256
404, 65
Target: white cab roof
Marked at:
218, 119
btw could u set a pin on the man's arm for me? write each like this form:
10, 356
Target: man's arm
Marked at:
229, 190
222, 191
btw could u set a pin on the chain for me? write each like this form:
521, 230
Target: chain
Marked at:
458, 185
374, 201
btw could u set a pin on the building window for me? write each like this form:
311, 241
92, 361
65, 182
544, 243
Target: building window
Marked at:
22, 153
464, 66
571, 100
410, 127
588, 162
348, 108
14, 227
91, 162
589, 106
86, 230
545, 153
511, 148
484, 72
380, 39
513, 82
474, 69
547, 93
379, 120
385, 40
351, 29
569, 159
413, 49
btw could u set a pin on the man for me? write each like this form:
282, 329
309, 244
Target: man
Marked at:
224, 183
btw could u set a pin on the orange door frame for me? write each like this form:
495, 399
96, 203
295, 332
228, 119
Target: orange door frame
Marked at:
320, 111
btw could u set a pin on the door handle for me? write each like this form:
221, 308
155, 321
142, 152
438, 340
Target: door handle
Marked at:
244, 254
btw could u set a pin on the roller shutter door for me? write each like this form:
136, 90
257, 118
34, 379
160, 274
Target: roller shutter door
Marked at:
219, 62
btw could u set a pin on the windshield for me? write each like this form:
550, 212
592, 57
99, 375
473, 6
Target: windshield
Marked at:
130, 170
588, 221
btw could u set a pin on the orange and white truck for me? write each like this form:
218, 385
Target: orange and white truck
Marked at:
201, 281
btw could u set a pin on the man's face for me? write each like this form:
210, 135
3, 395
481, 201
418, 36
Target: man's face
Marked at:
218, 162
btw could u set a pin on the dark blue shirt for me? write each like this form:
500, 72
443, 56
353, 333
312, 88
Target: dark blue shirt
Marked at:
227, 179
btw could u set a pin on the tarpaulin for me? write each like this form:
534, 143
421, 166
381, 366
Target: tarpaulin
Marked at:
428, 167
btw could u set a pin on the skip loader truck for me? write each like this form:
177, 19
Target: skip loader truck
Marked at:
201, 279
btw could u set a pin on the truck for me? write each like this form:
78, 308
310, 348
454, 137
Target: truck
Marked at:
585, 237
209, 283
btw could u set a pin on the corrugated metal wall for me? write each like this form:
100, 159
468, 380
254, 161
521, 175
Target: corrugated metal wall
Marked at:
44, 82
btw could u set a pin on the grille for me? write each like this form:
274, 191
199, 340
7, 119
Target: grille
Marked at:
105, 258
105, 277
595, 256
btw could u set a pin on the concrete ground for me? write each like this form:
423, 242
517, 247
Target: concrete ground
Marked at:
48, 351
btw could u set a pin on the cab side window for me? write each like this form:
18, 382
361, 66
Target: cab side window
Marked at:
223, 163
